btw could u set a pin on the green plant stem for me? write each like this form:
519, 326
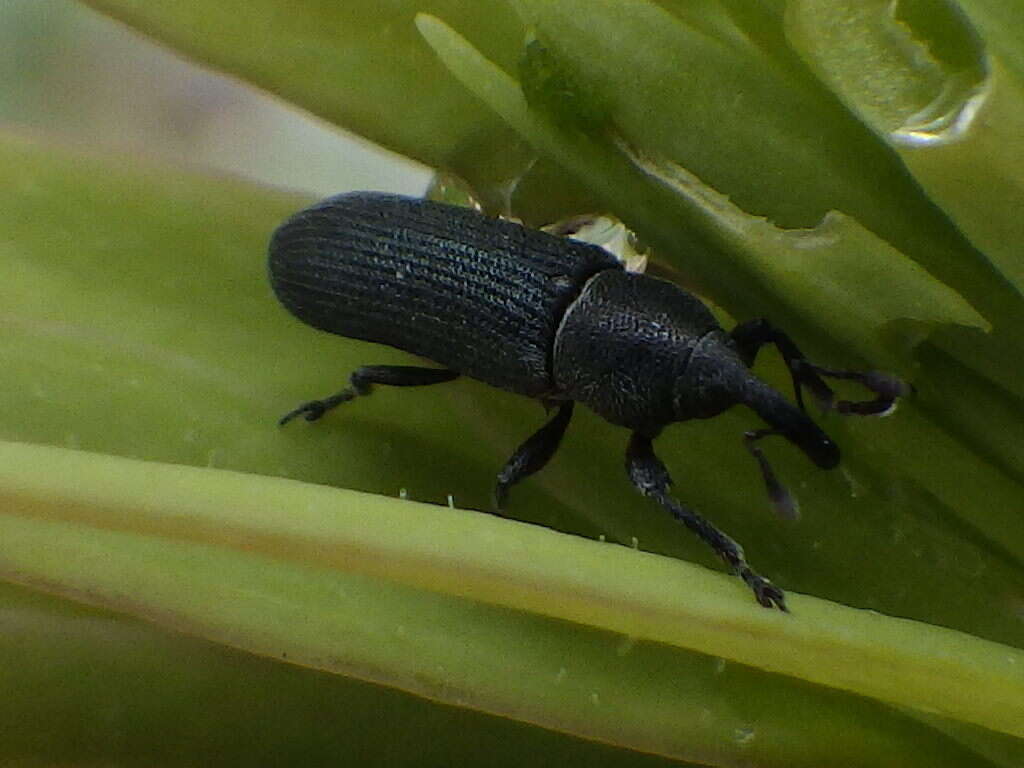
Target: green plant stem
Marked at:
506, 563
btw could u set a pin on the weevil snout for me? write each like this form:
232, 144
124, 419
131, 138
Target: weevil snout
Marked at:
818, 447
797, 427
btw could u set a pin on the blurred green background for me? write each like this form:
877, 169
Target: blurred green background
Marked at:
85, 80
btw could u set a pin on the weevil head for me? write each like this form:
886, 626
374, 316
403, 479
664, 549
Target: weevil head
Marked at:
713, 380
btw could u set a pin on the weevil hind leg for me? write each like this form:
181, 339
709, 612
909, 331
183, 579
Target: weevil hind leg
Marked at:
534, 454
750, 336
651, 478
361, 383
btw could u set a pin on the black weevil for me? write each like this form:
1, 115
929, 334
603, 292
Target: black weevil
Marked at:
553, 319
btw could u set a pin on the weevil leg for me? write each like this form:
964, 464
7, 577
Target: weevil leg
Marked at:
783, 502
361, 383
750, 336
754, 334
533, 454
887, 389
651, 478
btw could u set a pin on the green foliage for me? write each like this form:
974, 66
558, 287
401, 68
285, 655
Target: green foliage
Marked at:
852, 170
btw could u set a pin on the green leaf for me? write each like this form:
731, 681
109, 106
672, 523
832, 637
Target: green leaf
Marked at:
99, 687
137, 322
751, 129
919, 76
210, 552
852, 283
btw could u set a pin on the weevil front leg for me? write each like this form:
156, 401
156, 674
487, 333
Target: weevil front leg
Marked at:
753, 334
533, 454
783, 502
361, 383
651, 478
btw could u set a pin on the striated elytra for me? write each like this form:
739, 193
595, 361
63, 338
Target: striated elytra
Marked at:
552, 319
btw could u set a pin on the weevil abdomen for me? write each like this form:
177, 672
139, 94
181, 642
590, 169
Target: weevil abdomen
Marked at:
480, 296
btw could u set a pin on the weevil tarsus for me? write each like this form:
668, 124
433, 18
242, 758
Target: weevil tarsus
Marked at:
750, 336
361, 383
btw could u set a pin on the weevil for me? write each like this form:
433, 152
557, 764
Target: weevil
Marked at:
556, 320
